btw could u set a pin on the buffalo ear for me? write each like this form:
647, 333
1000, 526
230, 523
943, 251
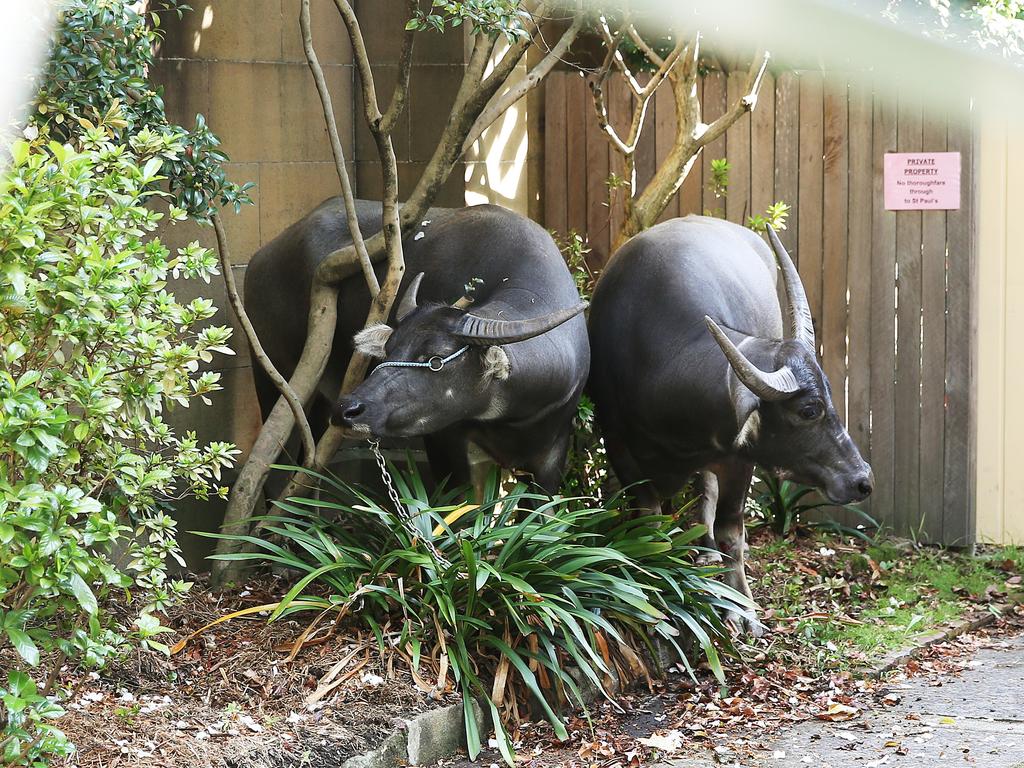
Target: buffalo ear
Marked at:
370, 341
496, 364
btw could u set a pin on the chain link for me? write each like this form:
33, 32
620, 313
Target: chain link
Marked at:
400, 509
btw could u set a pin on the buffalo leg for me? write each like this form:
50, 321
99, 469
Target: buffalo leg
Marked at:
645, 498
548, 466
708, 507
733, 485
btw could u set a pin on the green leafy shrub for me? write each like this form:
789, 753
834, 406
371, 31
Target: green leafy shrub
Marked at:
93, 350
98, 74
500, 591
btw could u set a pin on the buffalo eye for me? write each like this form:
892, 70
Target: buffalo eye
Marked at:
811, 411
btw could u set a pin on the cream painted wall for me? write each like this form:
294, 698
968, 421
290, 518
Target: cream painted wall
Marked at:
1000, 374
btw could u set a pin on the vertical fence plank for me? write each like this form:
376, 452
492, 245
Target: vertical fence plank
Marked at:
787, 152
691, 194
577, 113
646, 150
620, 106
908, 337
834, 239
714, 106
933, 343
596, 179
858, 267
737, 142
762, 149
664, 129
555, 152
961, 329
809, 239
883, 317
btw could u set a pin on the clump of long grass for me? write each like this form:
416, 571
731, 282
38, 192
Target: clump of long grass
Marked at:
509, 594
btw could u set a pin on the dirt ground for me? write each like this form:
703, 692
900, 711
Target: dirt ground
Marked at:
237, 696
231, 697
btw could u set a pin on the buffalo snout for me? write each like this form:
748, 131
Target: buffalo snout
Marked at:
346, 411
851, 488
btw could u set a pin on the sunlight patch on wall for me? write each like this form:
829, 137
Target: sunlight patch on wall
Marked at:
207, 22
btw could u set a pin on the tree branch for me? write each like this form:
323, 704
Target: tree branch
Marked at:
754, 77
401, 93
258, 353
338, 151
501, 103
362, 60
614, 55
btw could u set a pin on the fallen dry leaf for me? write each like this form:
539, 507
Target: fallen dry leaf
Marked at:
838, 712
670, 741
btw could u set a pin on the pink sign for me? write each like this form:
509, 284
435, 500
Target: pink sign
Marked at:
922, 181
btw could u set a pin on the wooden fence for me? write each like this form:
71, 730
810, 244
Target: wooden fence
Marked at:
891, 292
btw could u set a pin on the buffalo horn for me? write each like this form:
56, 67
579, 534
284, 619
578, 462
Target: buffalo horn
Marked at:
800, 326
487, 331
408, 303
777, 385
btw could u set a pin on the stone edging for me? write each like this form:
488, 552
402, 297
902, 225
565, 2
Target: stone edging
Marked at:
901, 656
422, 740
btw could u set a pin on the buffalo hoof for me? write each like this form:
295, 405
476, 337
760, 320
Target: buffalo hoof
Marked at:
709, 557
744, 625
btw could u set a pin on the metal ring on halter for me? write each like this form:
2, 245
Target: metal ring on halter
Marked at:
435, 363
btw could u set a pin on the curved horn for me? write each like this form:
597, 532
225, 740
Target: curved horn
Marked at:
801, 326
777, 385
408, 303
486, 331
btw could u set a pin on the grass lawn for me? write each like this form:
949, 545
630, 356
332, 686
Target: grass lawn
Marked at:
838, 603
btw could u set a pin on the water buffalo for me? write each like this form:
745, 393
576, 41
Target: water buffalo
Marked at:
692, 373
504, 374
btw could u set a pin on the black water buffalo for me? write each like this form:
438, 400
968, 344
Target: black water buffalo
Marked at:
692, 373
504, 374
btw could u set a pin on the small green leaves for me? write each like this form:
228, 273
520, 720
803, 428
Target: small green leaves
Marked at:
23, 645
82, 592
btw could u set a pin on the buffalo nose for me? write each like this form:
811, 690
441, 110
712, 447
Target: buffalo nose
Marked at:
865, 486
347, 411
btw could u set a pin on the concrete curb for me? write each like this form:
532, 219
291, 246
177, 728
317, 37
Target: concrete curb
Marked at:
900, 657
424, 739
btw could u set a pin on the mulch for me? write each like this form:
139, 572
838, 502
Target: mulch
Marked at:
234, 697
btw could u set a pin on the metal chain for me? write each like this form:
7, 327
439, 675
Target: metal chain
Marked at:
396, 500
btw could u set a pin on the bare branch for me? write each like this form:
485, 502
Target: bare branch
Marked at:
645, 49
601, 107
308, 446
754, 77
500, 105
614, 55
362, 60
401, 93
629, 145
337, 149
510, 60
